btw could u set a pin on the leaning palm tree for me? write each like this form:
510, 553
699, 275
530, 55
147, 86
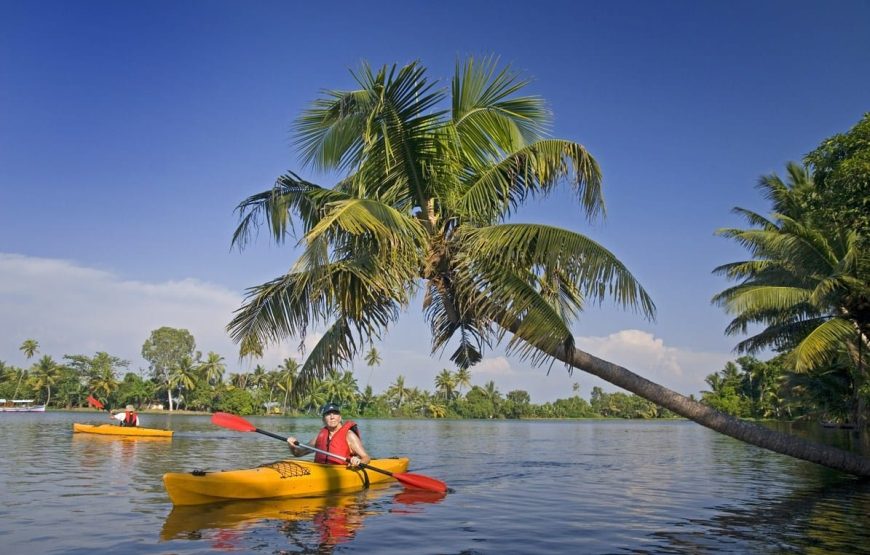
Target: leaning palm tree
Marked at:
424, 207
806, 285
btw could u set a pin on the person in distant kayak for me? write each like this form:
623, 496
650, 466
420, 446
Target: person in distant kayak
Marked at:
341, 438
128, 417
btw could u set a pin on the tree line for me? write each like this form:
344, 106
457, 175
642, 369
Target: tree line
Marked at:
746, 388
200, 383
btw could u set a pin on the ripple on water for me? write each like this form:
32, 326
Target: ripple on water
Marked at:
519, 487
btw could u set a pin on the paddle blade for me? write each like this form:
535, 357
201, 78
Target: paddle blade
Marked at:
94, 403
232, 422
420, 482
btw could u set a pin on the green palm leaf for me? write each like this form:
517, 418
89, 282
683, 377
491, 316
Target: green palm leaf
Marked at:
498, 189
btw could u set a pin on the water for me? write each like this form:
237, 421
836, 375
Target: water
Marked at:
518, 487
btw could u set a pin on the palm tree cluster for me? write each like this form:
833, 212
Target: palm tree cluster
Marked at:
199, 386
806, 287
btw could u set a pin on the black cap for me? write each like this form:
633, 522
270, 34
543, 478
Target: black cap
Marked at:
329, 407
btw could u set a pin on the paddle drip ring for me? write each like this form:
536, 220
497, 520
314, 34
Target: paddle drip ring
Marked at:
287, 469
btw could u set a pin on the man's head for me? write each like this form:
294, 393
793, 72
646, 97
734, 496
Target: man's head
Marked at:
330, 408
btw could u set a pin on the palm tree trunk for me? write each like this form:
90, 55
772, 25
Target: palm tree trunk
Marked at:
748, 432
708, 417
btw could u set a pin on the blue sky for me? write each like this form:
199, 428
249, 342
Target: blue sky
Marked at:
129, 131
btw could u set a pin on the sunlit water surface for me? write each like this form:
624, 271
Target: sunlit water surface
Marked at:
517, 487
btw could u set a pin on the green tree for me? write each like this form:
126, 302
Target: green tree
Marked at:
373, 358
213, 368
445, 384
98, 374
463, 379
725, 392
164, 350
29, 347
518, 404
287, 378
182, 376
135, 390
841, 168
806, 284
236, 401
45, 374
398, 393
423, 206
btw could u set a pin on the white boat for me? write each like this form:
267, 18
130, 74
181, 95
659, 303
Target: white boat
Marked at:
20, 405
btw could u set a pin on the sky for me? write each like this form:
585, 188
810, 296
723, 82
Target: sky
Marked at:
130, 131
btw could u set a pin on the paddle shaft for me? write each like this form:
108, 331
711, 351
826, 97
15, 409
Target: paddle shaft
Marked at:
322, 452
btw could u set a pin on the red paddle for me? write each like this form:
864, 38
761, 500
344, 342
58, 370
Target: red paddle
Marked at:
95, 403
92, 401
239, 424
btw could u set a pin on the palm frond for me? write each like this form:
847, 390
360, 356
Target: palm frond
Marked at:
514, 303
488, 118
536, 169
546, 250
822, 344
338, 346
751, 297
390, 230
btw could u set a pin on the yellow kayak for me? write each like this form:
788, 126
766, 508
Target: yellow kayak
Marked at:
290, 478
109, 429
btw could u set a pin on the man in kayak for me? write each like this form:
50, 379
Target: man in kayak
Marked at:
336, 437
128, 417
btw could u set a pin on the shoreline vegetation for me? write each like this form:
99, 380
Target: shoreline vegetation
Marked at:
747, 388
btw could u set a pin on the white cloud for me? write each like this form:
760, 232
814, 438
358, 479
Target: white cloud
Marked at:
644, 354
71, 309
494, 368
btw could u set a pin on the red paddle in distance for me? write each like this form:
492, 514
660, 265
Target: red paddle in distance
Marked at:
95, 403
92, 401
239, 424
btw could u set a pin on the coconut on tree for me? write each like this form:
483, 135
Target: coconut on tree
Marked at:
424, 207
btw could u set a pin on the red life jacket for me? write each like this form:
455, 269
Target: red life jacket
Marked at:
338, 443
129, 418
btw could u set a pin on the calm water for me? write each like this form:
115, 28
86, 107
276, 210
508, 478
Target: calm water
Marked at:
519, 487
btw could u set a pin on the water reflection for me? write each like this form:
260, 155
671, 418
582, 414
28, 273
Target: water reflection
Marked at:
818, 520
521, 487
312, 524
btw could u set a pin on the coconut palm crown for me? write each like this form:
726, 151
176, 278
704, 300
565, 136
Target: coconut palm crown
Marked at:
424, 207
